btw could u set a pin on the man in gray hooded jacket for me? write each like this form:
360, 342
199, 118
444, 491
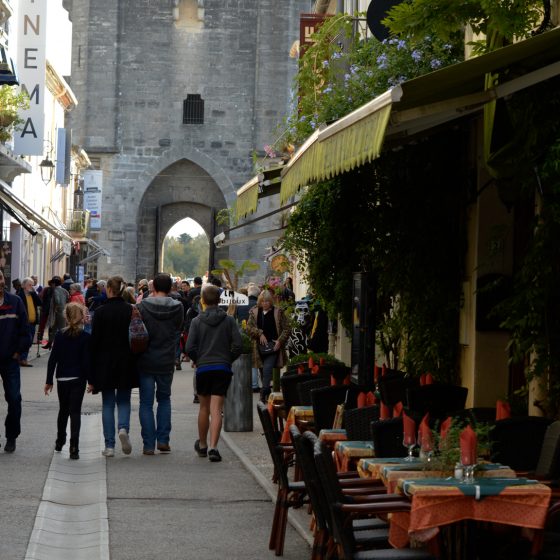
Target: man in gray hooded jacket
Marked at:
214, 342
163, 317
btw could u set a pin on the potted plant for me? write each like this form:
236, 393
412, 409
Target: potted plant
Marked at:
11, 103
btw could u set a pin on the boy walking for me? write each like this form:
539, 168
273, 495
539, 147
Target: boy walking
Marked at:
214, 342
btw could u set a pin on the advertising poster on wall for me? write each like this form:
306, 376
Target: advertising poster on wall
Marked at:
93, 188
6, 262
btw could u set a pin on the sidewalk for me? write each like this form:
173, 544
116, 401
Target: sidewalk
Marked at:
175, 506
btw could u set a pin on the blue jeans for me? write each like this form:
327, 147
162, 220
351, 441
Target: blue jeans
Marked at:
120, 397
268, 365
31, 330
255, 378
9, 370
158, 428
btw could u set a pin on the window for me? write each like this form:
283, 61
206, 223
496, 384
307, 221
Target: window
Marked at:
193, 109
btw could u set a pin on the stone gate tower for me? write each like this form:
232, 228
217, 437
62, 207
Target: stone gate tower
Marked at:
174, 98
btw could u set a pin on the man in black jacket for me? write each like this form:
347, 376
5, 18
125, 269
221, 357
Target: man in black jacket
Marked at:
163, 317
214, 342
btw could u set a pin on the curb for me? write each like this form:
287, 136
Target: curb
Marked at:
267, 486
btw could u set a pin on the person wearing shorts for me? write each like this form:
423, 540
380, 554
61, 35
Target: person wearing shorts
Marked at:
213, 344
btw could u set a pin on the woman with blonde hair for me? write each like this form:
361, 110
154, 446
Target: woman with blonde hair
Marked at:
269, 329
114, 366
70, 359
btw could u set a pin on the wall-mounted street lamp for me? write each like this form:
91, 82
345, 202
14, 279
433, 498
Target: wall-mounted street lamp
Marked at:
47, 165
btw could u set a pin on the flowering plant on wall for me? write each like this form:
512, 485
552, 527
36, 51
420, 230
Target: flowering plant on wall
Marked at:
343, 71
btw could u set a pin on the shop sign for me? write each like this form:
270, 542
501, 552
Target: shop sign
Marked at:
93, 189
229, 297
31, 63
308, 25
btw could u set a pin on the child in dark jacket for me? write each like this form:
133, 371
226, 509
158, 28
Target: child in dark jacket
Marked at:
71, 360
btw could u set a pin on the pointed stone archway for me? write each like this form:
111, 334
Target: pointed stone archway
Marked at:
181, 190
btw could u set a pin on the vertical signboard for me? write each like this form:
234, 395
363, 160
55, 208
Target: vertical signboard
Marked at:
308, 24
31, 57
93, 188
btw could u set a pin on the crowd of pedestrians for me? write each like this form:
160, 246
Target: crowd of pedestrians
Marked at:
88, 330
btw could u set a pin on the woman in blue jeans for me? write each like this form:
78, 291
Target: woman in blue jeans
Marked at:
114, 365
268, 323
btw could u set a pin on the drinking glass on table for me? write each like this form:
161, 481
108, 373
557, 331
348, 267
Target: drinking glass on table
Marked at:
409, 441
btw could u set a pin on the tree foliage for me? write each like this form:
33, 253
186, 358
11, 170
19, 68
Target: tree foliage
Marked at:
499, 20
340, 72
186, 256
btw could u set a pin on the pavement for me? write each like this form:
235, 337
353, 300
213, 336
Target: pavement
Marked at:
176, 506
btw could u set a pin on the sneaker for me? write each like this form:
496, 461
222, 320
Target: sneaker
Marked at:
125, 441
10, 446
202, 451
196, 400
164, 448
214, 455
148, 452
108, 452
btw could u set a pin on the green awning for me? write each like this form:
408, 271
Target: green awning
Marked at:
349, 142
418, 105
262, 185
247, 198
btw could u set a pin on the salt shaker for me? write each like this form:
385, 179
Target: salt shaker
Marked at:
458, 474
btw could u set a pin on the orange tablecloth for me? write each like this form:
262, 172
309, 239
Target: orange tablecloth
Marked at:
434, 506
348, 453
296, 413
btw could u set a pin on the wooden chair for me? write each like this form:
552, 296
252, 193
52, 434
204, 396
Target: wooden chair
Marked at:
304, 389
355, 544
325, 401
304, 445
357, 422
290, 494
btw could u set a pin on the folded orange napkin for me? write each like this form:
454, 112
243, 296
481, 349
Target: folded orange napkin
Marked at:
370, 399
397, 410
375, 373
321, 361
362, 400
385, 412
444, 428
425, 434
301, 369
423, 379
429, 379
333, 381
314, 370
409, 428
503, 410
468, 444
310, 363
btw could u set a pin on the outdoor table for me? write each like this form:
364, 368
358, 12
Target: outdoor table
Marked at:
391, 470
331, 436
348, 453
438, 502
297, 414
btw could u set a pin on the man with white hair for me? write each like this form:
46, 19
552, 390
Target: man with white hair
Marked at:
32, 304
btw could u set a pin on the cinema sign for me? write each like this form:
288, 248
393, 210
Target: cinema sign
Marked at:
31, 57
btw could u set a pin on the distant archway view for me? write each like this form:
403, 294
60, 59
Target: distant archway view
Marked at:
186, 249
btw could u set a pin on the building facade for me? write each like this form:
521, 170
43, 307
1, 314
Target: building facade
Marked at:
176, 97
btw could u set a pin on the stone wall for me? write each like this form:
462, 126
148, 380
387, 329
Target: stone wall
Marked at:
133, 65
